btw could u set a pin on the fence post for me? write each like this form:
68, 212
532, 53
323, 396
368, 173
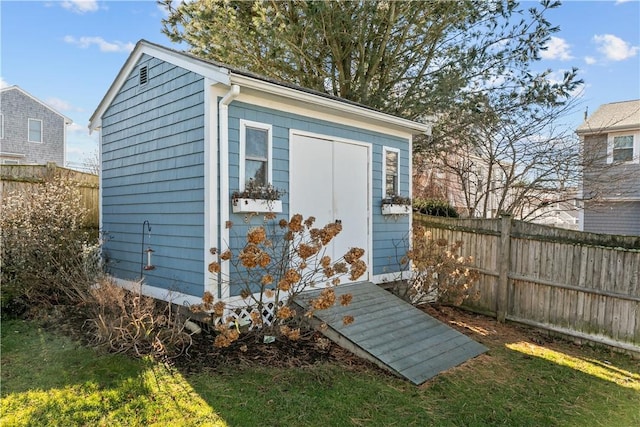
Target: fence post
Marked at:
503, 267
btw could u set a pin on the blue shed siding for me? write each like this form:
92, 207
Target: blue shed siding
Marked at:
153, 169
386, 231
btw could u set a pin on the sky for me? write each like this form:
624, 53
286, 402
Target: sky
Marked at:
67, 53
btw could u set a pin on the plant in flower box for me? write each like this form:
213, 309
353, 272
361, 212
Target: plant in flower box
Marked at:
257, 198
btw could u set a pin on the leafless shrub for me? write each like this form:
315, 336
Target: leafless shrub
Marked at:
123, 321
436, 272
48, 258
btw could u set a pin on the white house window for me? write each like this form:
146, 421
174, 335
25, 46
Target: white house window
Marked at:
255, 153
623, 148
391, 171
35, 130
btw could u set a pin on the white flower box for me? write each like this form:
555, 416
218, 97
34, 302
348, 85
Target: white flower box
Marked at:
389, 209
256, 206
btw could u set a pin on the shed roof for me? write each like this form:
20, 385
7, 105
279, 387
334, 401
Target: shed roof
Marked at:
615, 116
228, 76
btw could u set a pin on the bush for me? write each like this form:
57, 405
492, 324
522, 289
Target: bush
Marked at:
434, 207
436, 272
277, 262
47, 257
124, 321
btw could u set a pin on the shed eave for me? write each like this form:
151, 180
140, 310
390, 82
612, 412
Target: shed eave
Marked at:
338, 106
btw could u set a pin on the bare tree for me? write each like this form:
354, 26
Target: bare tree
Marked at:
514, 160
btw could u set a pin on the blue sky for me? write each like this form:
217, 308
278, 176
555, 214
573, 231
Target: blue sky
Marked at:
67, 53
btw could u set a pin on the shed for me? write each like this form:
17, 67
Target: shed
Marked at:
179, 134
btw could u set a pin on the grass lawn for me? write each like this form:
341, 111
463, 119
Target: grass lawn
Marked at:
49, 380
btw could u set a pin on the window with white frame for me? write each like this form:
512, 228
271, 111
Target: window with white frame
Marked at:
35, 130
623, 148
391, 171
255, 153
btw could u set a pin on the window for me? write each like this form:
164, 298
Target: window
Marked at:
1, 126
391, 171
623, 148
35, 130
255, 153
10, 162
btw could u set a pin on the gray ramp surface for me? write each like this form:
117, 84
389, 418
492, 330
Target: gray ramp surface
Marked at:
392, 333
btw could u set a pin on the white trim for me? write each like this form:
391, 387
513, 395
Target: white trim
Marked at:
29, 120
362, 113
390, 277
8, 154
1, 126
210, 185
636, 147
386, 150
224, 198
244, 124
162, 294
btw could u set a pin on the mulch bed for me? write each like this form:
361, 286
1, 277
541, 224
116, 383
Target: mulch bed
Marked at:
311, 348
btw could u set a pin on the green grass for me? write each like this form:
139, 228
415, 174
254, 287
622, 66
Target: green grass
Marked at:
49, 380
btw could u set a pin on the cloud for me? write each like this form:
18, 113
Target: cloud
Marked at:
614, 48
3, 83
103, 45
80, 6
589, 60
556, 48
62, 105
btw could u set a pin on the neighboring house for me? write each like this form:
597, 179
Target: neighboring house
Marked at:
462, 179
468, 183
611, 184
31, 132
178, 135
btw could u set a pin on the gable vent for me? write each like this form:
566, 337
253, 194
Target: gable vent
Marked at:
144, 76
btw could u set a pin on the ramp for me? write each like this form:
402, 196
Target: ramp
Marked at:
392, 333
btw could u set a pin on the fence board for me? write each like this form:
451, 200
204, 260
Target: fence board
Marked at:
583, 284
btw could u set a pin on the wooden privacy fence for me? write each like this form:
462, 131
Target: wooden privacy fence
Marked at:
579, 284
25, 177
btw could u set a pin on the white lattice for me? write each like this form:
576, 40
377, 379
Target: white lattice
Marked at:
243, 314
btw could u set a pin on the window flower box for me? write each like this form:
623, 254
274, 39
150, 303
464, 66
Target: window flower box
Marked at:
257, 199
396, 205
244, 205
389, 209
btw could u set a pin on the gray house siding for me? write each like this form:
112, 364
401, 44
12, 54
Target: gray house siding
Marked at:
605, 180
153, 169
17, 108
389, 234
613, 218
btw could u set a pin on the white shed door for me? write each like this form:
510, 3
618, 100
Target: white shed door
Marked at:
330, 181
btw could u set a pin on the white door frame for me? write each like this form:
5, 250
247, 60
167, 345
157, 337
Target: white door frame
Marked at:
368, 258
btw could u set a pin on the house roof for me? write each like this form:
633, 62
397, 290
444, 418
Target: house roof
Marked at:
67, 120
228, 76
616, 116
